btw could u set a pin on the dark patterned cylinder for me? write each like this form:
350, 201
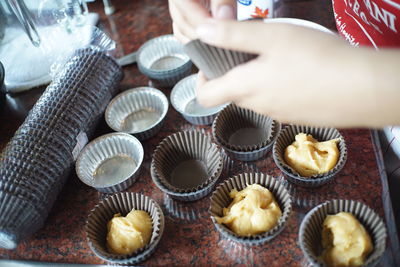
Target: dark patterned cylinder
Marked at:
37, 161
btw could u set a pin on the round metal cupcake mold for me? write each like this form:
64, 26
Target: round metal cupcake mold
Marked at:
183, 99
163, 60
123, 203
287, 137
234, 125
310, 234
187, 154
109, 153
220, 199
139, 111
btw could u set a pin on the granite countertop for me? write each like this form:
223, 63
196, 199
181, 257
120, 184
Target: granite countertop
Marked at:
189, 237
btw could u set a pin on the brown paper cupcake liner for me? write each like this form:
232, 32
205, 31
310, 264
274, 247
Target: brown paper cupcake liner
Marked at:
15, 227
252, 155
86, 70
287, 137
23, 193
188, 196
310, 234
243, 130
214, 61
183, 210
220, 199
187, 154
123, 203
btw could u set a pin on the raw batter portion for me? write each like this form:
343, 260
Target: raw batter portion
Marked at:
345, 241
252, 211
128, 234
309, 157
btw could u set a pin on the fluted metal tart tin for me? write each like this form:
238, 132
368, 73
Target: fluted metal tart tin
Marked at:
220, 199
215, 61
287, 137
183, 99
110, 163
123, 203
139, 111
186, 165
310, 234
164, 61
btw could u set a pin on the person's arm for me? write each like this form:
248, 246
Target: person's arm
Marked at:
304, 76
187, 15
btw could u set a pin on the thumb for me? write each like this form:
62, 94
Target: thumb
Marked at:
229, 87
223, 9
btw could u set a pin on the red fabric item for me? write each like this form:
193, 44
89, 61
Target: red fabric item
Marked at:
369, 22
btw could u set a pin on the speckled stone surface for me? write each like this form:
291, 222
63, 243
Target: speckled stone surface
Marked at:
189, 237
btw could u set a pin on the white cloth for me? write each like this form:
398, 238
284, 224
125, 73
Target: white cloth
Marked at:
27, 66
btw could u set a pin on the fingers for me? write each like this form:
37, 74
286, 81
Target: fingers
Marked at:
183, 38
201, 79
192, 11
234, 35
247, 36
186, 16
230, 87
223, 9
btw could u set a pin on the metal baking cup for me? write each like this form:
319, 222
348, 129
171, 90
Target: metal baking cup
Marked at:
287, 137
116, 155
310, 234
164, 61
242, 129
183, 99
214, 61
139, 111
186, 164
220, 199
123, 203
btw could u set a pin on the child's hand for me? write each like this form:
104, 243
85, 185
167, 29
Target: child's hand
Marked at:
301, 75
187, 15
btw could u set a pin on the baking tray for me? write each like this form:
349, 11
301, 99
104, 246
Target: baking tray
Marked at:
190, 237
